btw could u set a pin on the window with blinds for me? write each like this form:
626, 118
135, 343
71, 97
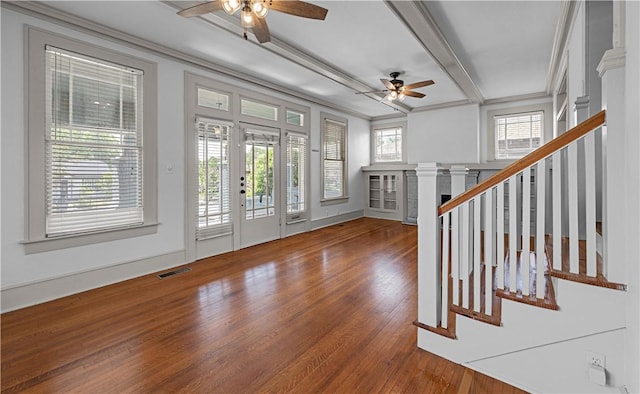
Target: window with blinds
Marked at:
334, 134
296, 161
517, 134
214, 183
388, 145
93, 144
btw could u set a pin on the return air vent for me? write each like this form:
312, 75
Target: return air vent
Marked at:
174, 272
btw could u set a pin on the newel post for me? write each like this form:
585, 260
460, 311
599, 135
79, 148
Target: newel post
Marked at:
429, 283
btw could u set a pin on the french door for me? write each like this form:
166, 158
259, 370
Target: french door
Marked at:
259, 185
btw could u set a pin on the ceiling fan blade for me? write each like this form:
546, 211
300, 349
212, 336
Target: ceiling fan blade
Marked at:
387, 84
261, 30
298, 8
413, 94
416, 85
201, 9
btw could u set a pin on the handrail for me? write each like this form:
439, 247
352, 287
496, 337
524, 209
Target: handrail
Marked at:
542, 152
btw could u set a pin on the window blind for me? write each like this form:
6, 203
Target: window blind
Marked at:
517, 134
93, 144
333, 143
214, 183
296, 162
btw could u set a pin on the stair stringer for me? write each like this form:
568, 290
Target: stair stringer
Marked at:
590, 318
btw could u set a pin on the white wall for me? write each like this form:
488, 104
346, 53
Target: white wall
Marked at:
29, 279
358, 145
632, 193
448, 135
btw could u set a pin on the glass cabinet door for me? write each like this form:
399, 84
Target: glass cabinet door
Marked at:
374, 191
389, 191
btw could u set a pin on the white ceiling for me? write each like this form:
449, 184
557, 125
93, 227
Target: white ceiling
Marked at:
473, 50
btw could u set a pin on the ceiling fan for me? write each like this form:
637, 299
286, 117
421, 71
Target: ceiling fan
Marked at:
398, 90
253, 12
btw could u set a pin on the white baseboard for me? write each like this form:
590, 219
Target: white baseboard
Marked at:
21, 295
331, 220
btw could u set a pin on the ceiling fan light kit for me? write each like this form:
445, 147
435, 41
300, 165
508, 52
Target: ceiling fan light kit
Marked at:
253, 12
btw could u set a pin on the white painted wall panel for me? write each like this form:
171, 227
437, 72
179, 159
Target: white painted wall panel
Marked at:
448, 135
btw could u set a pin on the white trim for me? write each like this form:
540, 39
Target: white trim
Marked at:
611, 60
336, 219
568, 14
24, 294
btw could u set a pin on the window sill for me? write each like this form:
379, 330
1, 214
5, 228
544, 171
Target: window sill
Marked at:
333, 201
69, 241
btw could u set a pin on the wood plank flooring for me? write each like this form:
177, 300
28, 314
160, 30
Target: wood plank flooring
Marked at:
327, 311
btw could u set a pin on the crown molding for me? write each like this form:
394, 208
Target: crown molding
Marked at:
449, 104
520, 97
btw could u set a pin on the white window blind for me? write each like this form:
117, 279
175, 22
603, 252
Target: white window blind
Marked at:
296, 162
214, 183
93, 144
388, 145
517, 134
333, 163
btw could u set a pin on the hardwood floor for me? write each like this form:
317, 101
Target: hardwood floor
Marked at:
327, 311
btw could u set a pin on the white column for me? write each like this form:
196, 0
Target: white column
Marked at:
612, 71
458, 179
429, 283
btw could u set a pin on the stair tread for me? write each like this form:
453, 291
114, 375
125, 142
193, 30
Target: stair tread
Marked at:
581, 276
548, 301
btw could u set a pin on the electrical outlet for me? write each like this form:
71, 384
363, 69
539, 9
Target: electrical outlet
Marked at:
595, 359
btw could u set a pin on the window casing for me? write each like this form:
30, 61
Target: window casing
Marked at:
388, 146
334, 159
296, 178
91, 144
517, 134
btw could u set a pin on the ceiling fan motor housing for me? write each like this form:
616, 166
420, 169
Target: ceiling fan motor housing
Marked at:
396, 82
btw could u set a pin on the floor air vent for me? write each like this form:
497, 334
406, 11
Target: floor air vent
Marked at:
174, 272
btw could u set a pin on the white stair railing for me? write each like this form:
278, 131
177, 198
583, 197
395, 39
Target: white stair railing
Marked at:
485, 239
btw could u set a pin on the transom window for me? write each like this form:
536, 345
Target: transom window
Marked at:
517, 134
258, 110
295, 118
212, 99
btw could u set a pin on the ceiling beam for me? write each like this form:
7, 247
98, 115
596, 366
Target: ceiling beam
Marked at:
294, 54
419, 21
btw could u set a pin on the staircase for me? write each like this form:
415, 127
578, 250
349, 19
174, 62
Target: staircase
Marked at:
508, 244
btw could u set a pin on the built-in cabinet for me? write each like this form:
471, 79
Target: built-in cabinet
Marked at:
386, 192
